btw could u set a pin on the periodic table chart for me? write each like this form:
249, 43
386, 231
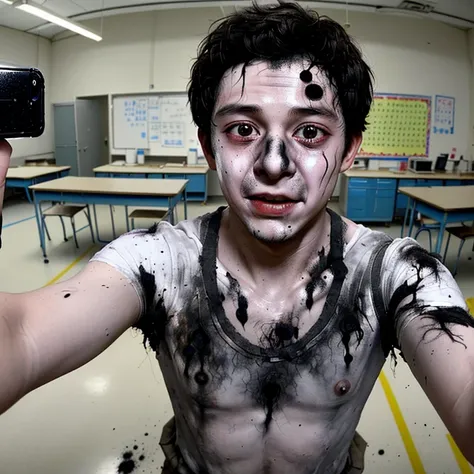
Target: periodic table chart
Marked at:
399, 126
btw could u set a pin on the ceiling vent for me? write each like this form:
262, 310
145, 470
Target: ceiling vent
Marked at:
417, 7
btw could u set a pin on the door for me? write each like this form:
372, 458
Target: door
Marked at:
65, 137
89, 135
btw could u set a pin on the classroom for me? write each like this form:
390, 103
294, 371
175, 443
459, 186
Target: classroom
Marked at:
120, 152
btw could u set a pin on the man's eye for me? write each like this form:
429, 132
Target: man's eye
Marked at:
242, 130
310, 132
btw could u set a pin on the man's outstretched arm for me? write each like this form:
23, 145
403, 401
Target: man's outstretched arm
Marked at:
49, 332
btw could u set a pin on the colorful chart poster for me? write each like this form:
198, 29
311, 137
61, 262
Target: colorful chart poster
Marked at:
444, 115
399, 125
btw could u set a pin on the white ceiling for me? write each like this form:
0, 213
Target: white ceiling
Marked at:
458, 13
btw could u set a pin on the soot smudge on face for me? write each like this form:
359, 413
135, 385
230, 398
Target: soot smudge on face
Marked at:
314, 92
285, 161
306, 76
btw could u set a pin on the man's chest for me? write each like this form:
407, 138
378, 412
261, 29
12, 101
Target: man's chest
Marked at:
246, 352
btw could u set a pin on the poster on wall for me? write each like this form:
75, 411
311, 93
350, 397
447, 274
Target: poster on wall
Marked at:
399, 126
444, 115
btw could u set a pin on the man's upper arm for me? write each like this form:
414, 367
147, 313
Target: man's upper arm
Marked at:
65, 325
435, 334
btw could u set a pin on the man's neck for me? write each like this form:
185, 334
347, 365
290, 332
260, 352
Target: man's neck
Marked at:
260, 263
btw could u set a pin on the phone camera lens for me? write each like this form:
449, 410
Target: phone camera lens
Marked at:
34, 90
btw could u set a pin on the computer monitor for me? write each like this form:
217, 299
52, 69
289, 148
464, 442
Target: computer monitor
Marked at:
441, 162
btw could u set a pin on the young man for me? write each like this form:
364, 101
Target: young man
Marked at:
271, 318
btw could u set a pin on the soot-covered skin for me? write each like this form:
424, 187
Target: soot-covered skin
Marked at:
305, 374
312, 359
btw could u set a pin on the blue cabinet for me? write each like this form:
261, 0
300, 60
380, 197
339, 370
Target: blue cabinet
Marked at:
371, 199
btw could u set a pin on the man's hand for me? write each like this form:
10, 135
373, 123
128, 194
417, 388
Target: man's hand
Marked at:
5, 154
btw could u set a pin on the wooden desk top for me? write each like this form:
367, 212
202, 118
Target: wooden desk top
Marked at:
152, 169
30, 172
450, 198
142, 187
357, 173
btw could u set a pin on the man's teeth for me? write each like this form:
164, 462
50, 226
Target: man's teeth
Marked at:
279, 199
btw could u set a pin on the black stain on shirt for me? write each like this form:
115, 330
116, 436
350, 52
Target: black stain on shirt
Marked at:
242, 303
315, 278
154, 319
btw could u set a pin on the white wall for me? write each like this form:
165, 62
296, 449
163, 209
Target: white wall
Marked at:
22, 49
408, 56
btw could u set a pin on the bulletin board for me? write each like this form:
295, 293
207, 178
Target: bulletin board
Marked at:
399, 126
161, 124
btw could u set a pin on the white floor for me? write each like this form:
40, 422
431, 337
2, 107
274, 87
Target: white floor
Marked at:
84, 422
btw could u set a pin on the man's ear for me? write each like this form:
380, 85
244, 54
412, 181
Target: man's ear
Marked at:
205, 141
351, 152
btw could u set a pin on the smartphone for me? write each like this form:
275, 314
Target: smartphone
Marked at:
21, 102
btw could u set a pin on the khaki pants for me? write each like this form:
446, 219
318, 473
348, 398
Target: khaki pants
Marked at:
174, 462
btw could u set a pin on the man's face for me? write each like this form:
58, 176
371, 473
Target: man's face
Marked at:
278, 147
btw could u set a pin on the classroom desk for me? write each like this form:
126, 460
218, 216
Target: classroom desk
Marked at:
196, 189
26, 176
118, 192
443, 204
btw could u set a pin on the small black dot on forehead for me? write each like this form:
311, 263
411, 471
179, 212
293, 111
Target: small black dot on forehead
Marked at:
314, 92
306, 76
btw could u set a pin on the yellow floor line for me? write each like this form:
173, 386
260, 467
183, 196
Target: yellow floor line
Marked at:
460, 459
75, 262
410, 447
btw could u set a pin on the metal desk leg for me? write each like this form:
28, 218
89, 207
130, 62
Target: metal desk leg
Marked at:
405, 217
439, 240
113, 222
412, 217
27, 190
171, 211
126, 219
40, 225
185, 204
97, 226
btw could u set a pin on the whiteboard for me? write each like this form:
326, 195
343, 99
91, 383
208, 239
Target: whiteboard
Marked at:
161, 124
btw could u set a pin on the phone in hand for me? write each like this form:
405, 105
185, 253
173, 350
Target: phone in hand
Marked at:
21, 102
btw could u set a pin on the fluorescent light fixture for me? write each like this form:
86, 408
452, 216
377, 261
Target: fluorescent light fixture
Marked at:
8, 2
48, 15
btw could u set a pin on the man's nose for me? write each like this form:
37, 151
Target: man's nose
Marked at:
273, 161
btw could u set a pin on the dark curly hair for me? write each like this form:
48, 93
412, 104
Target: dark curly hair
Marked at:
277, 33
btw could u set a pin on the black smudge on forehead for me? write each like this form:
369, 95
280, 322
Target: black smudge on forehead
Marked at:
314, 92
306, 76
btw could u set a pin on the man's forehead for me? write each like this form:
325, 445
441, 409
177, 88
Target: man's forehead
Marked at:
307, 82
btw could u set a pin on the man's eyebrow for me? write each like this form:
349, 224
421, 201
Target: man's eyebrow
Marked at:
230, 109
317, 110
251, 109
